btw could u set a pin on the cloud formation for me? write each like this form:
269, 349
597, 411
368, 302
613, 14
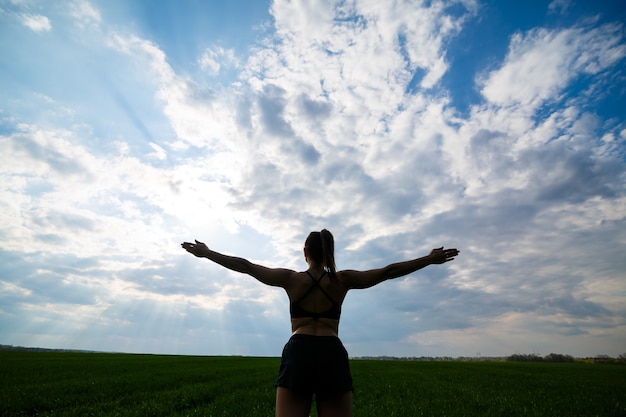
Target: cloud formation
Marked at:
338, 117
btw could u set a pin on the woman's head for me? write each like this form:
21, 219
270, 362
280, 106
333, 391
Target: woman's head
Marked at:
320, 248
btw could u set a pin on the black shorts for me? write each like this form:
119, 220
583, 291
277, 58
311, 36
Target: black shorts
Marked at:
315, 365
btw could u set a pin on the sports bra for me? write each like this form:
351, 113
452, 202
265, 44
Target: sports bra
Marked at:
296, 310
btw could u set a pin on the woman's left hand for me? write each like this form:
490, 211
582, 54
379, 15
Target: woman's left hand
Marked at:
441, 255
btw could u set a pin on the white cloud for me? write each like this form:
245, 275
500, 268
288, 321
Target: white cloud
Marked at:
542, 62
36, 23
213, 59
84, 13
559, 6
159, 152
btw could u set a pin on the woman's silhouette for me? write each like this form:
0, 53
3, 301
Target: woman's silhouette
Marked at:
314, 360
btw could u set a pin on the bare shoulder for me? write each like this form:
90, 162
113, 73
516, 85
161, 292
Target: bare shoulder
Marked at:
277, 277
353, 279
348, 277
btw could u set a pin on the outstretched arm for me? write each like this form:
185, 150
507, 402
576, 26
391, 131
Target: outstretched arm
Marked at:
277, 277
366, 279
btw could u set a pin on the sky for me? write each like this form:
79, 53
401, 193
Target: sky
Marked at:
129, 127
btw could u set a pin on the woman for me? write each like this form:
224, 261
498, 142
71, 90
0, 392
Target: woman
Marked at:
314, 360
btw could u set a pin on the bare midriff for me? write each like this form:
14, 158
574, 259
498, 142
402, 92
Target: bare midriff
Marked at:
311, 326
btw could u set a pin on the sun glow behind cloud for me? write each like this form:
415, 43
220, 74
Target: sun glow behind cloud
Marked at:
339, 116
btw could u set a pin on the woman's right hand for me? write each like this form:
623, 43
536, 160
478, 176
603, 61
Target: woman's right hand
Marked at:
198, 249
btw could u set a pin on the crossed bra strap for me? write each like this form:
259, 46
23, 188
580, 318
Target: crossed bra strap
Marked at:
297, 311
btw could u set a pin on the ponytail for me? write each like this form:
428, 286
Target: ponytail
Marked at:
321, 247
328, 251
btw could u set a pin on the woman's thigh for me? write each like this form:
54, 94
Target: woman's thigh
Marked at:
339, 405
290, 404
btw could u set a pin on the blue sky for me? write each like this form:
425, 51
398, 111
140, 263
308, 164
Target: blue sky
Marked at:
127, 128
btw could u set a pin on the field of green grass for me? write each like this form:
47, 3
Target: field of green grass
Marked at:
97, 384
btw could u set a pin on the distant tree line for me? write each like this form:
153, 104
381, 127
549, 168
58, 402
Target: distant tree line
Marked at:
533, 357
557, 357
621, 360
37, 349
552, 357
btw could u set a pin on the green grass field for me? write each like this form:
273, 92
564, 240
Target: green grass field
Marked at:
95, 384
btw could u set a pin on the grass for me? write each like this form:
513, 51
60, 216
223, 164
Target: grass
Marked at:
489, 389
94, 384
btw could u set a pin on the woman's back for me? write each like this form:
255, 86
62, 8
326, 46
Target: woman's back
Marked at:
315, 303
